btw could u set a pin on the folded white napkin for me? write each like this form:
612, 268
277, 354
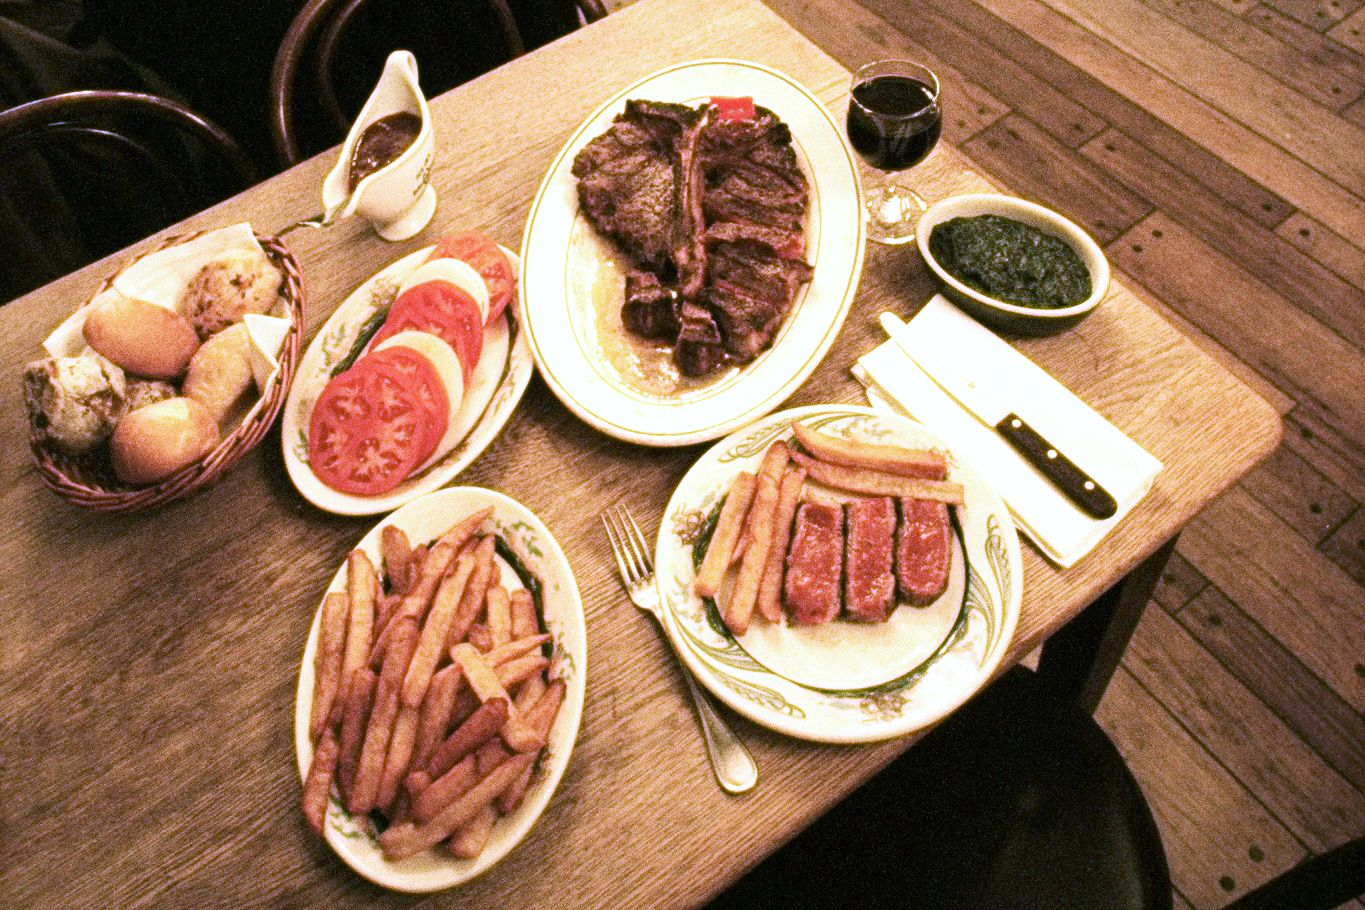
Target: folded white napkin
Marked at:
1061, 530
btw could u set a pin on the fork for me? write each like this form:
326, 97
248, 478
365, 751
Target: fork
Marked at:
734, 766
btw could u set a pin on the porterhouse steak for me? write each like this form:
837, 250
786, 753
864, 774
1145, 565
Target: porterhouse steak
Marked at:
713, 212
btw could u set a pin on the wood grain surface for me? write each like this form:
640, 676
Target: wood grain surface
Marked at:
148, 662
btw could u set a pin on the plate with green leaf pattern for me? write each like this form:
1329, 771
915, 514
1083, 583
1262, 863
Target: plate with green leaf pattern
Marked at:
844, 682
503, 372
528, 556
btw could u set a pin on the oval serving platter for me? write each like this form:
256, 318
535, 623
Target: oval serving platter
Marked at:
503, 372
572, 280
844, 682
422, 520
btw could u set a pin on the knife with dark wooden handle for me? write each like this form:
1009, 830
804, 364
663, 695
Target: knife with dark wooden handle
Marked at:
988, 407
1093, 499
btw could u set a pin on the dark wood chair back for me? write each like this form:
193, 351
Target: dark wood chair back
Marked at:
348, 40
84, 174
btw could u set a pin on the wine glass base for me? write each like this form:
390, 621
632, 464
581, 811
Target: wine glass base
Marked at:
892, 213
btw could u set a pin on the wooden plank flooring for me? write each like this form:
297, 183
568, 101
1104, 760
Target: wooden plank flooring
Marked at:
1217, 148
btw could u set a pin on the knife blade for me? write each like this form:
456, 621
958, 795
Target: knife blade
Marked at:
1047, 459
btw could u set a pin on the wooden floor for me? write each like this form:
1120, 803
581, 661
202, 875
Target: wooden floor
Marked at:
1216, 148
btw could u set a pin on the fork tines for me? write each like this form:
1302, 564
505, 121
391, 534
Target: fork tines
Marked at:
627, 544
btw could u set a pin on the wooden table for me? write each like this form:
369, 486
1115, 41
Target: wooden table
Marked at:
148, 662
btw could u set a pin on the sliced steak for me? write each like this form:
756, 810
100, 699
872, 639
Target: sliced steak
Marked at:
815, 564
924, 550
698, 350
632, 182
650, 310
869, 583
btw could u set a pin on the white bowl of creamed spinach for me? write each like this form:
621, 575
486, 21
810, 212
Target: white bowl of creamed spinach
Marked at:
1013, 263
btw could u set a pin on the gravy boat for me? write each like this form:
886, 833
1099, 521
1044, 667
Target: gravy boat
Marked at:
398, 199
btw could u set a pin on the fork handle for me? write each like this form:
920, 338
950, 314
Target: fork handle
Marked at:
734, 766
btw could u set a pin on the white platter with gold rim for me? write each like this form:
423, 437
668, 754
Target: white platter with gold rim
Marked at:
572, 280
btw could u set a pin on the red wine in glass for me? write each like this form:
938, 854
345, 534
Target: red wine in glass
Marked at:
894, 120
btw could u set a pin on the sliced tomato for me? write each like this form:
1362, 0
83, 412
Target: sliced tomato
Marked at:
734, 108
443, 310
371, 426
422, 380
483, 254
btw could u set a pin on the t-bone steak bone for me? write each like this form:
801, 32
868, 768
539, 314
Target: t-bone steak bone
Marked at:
637, 184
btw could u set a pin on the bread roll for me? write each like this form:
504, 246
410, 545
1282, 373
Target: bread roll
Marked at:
74, 403
142, 392
155, 441
229, 287
143, 338
220, 373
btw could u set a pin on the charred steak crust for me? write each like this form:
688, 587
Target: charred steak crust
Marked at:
924, 550
715, 210
650, 310
628, 179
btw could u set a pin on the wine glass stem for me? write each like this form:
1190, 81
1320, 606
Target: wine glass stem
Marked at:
894, 208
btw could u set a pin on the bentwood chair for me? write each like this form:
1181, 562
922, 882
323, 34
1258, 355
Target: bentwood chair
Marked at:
1019, 800
86, 173
348, 40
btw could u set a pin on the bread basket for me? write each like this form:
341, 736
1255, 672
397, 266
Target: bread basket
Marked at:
90, 483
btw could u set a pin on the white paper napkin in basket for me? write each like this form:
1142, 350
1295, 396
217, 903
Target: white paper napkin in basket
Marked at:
1061, 530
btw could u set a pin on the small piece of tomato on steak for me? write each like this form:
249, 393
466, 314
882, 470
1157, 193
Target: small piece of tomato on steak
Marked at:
734, 108
481, 252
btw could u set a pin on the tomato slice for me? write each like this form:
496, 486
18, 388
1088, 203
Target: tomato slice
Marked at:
443, 310
420, 378
734, 108
483, 254
370, 427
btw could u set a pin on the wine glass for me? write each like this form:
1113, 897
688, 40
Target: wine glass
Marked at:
894, 120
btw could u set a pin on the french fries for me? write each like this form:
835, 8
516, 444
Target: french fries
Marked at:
359, 700
407, 838
755, 560
409, 717
478, 728
327, 662
524, 620
395, 553
878, 483
433, 638
540, 717
728, 527
774, 461
472, 599
920, 463
319, 781
499, 617
365, 794
468, 842
434, 718
522, 668
769, 601
360, 595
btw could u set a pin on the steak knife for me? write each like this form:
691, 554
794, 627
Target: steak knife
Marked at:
1047, 459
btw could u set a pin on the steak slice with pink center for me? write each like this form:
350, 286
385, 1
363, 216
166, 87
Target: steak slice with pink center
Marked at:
815, 564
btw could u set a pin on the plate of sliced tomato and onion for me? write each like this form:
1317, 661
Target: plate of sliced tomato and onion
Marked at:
410, 379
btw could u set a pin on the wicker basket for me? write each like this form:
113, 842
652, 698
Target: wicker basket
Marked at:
91, 483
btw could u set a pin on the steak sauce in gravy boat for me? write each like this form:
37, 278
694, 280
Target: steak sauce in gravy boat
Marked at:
383, 172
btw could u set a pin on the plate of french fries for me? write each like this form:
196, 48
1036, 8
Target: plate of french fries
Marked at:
838, 574
441, 690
